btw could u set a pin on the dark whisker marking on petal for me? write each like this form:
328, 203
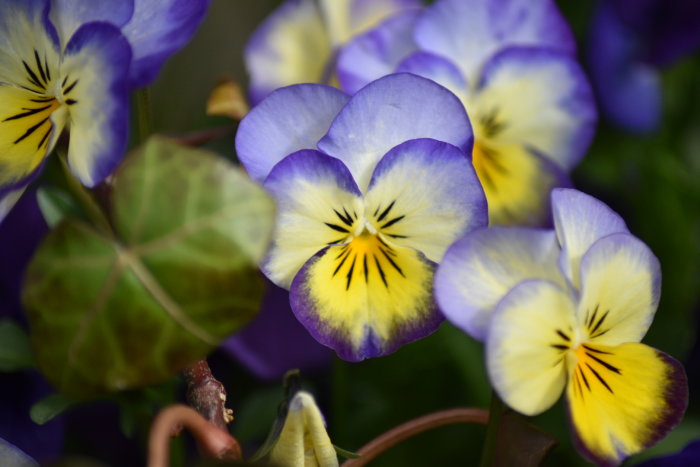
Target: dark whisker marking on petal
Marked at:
578, 384
397, 236
600, 333
590, 320
381, 271
600, 321
70, 87
346, 220
42, 100
605, 364
354, 214
600, 378
493, 159
342, 261
391, 261
364, 264
386, 211
595, 350
376, 211
27, 114
35, 91
40, 67
46, 66
389, 249
342, 251
348, 216
31, 130
392, 222
63, 83
563, 336
337, 227
559, 346
585, 380
349, 275
71, 101
45, 138
336, 241
32, 76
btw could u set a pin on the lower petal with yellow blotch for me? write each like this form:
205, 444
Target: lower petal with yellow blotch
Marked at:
622, 399
366, 298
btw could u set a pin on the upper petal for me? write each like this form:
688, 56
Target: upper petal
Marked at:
158, 29
69, 15
366, 298
620, 289
622, 399
290, 46
468, 32
526, 347
318, 204
437, 68
377, 52
424, 194
482, 267
541, 99
580, 220
345, 18
95, 69
290, 119
389, 111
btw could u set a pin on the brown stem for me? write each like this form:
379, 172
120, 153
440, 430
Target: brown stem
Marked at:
200, 138
207, 395
413, 427
212, 441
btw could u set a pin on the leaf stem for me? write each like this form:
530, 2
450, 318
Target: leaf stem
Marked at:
490, 442
85, 198
413, 427
144, 116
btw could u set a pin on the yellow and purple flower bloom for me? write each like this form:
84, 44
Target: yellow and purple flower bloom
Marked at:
513, 66
298, 42
69, 64
370, 190
565, 311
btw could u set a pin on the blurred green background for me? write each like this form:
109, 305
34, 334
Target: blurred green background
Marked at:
652, 181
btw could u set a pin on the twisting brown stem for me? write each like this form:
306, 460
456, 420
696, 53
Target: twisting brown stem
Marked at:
212, 441
413, 427
207, 395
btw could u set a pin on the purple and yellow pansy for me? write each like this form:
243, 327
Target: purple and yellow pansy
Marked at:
67, 64
512, 63
564, 311
371, 190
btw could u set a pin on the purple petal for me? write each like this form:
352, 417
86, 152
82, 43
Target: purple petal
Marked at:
69, 15
388, 112
288, 120
468, 32
436, 68
377, 52
158, 29
629, 91
276, 342
97, 59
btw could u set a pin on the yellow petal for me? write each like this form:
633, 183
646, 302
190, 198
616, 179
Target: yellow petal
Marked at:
622, 399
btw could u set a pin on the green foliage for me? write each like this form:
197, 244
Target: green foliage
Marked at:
49, 407
112, 312
15, 352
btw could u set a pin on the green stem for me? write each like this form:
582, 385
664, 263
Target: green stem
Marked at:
491, 440
143, 114
86, 199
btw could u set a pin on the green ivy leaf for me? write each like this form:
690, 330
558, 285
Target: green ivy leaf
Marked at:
15, 351
180, 274
49, 407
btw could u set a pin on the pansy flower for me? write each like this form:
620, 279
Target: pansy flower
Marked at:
512, 64
370, 190
69, 64
563, 312
297, 43
629, 42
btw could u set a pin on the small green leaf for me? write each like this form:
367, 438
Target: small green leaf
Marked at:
180, 274
49, 407
15, 351
55, 205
